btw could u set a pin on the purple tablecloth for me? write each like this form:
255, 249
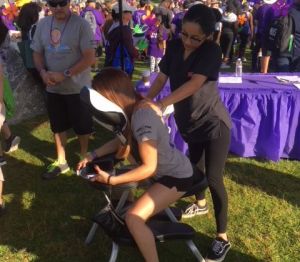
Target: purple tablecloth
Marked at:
265, 115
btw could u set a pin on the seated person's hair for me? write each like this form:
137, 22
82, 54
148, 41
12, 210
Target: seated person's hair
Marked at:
117, 87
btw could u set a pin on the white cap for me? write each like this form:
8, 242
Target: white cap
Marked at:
270, 2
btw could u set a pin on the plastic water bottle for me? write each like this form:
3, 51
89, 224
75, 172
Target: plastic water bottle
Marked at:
239, 68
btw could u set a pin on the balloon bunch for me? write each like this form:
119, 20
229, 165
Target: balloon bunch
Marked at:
10, 12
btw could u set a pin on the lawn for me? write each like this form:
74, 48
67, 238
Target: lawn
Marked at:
49, 220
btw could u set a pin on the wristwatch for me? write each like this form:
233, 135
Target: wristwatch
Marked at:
67, 73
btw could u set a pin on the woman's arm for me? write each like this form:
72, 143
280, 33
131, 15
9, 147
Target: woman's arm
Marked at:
157, 85
108, 148
186, 90
251, 23
148, 154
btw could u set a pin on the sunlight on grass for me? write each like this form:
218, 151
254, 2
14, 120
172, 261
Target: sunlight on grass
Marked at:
9, 254
27, 199
27, 157
48, 221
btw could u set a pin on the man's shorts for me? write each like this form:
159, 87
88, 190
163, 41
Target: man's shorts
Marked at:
67, 111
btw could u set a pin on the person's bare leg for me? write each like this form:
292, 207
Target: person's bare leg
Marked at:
60, 143
154, 200
1, 186
5, 130
265, 64
1, 190
223, 236
84, 144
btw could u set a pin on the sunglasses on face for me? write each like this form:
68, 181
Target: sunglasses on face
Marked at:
58, 3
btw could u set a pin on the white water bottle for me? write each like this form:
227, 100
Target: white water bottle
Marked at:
239, 68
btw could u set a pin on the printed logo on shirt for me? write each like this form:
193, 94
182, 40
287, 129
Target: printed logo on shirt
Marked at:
55, 45
144, 130
153, 35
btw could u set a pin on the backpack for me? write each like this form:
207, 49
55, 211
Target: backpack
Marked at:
243, 23
116, 61
26, 52
90, 17
280, 35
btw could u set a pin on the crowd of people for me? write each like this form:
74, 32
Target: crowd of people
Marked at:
185, 42
241, 26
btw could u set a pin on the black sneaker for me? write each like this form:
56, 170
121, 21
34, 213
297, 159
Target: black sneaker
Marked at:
11, 144
2, 161
55, 169
218, 250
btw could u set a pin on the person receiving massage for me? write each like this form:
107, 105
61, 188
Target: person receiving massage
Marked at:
171, 170
192, 65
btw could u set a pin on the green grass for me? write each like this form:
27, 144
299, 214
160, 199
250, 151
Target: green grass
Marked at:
49, 220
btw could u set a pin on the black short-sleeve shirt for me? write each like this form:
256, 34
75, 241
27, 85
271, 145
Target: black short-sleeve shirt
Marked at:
198, 116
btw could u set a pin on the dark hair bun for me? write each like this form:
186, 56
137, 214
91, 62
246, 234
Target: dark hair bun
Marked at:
202, 15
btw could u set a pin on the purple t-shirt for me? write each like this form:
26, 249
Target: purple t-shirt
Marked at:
264, 17
177, 21
152, 36
99, 20
137, 17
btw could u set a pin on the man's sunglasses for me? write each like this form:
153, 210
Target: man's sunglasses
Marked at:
58, 3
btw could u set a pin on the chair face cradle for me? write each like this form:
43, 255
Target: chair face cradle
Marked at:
164, 226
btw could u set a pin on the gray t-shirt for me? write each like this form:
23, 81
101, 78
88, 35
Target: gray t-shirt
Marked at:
147, 125
62, 45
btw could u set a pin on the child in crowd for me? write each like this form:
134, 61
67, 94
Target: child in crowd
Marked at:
157, 36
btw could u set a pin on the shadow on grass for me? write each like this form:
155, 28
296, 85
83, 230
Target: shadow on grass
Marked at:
46, 220
49, 221
278, 184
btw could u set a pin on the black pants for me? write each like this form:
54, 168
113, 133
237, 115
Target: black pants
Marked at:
212, 155
226, 42
243, 44
255, 63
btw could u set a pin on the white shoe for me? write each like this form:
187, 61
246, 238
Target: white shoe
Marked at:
194, 210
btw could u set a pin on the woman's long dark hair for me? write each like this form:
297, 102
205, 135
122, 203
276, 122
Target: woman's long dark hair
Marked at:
29, 15
116, 86
3, 32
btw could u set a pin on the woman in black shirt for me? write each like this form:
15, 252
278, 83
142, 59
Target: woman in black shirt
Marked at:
192, 65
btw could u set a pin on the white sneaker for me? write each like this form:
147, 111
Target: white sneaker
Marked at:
194, 210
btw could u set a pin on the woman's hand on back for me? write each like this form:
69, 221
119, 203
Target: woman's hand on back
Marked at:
147, 103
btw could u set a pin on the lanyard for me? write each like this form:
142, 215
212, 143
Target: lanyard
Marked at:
62, 32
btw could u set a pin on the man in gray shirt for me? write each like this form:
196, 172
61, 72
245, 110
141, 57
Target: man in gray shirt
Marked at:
63, 53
